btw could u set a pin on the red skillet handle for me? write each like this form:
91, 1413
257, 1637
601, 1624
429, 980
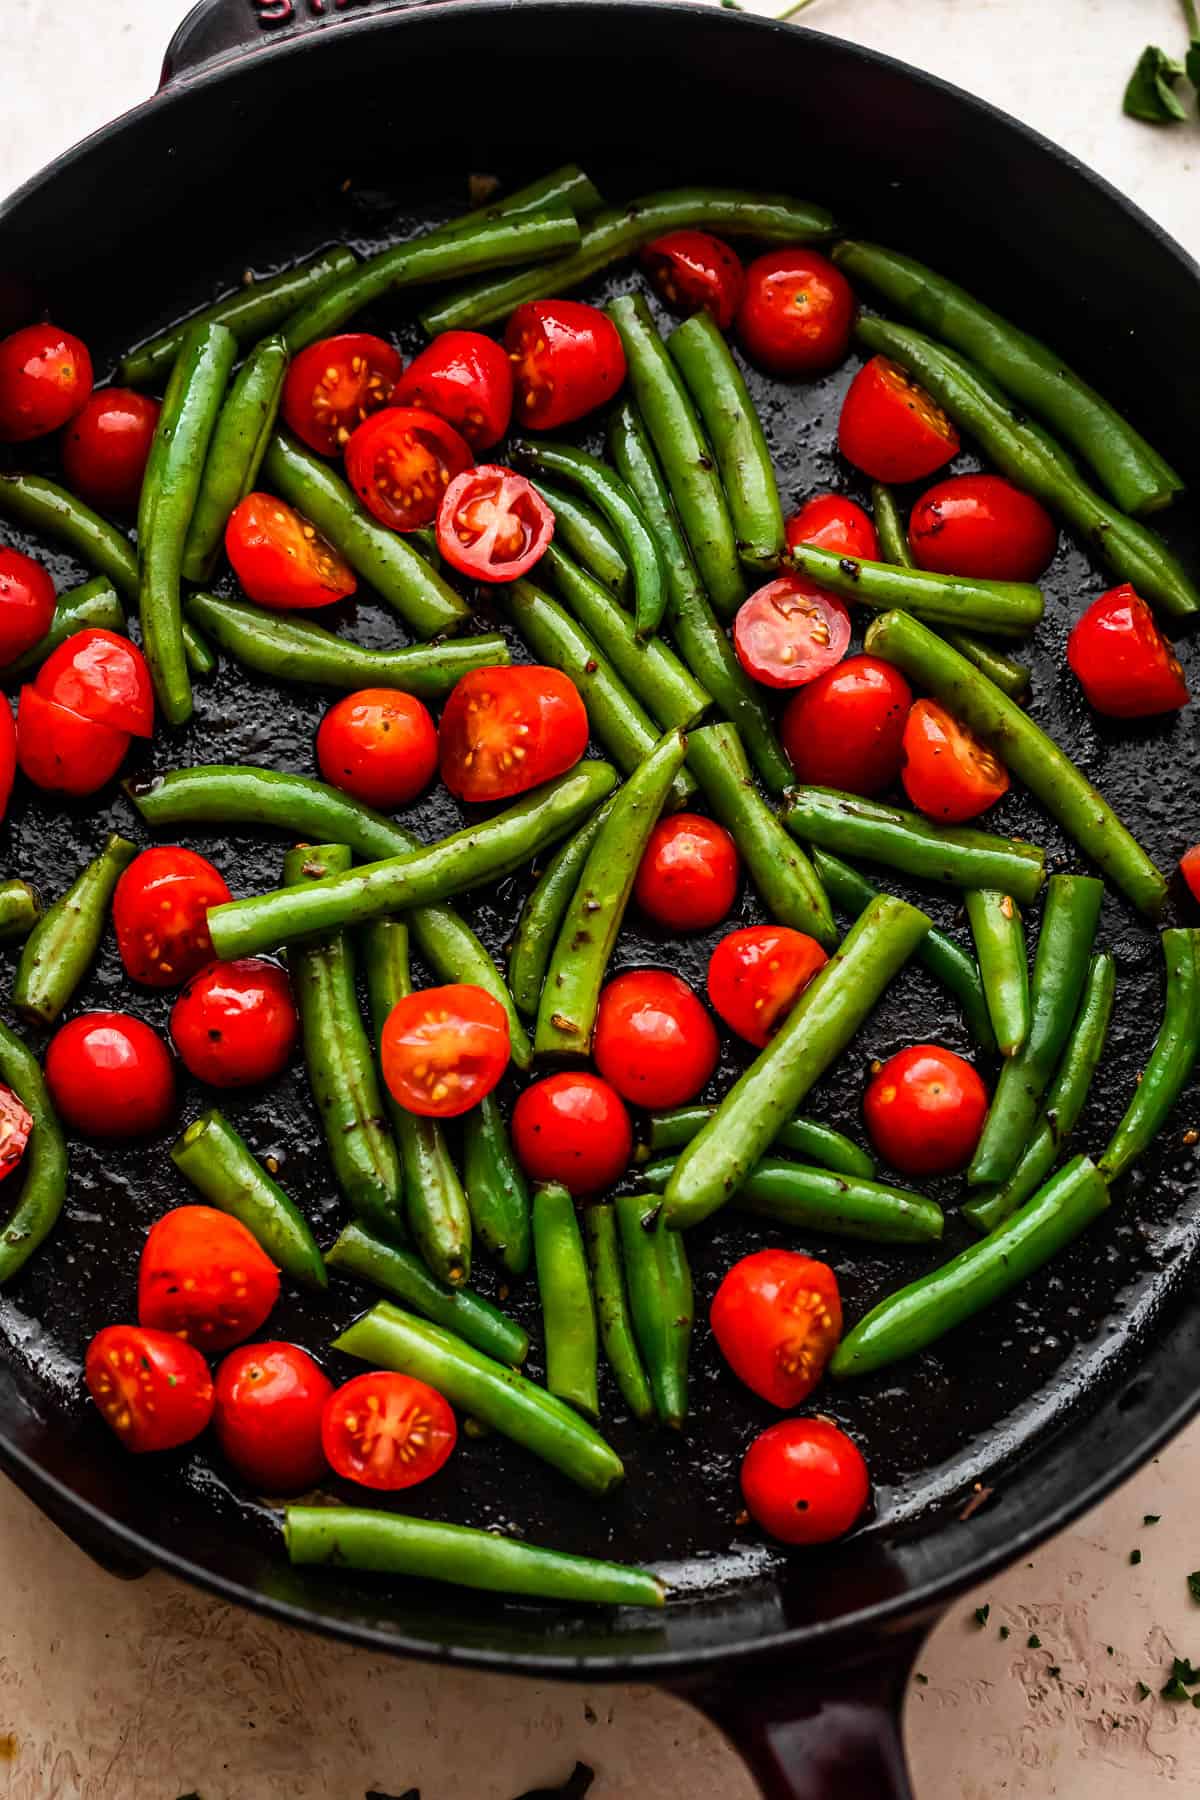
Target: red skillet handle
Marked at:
217, 30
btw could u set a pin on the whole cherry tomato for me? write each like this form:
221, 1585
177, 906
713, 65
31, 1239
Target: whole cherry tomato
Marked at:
8, 754
160, 913
695, 272
45, 377
1125, 666
110, 1076
100, 676
654, 1041
281, 560
387, 1431
205, 1277
983, 526
925, 1110
465, 378
796, 312
573, 1128
267, 1416
379, 745
688, 876
777, 1317
789, 632
62, 752
336, 383
804, 1481
1189, 863
16, 1123
493, 525
153, 1389
505, 730
947, 773
107, 446
892, 429
400, 463
567, 359
235, 1023
833, 522
756, 975
845, 729
444, 1049
26, 603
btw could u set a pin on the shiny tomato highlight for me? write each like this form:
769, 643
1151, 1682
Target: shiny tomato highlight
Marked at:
505, 730
400, 463
110, 1076
205, 1277
982, 526
281, 560
444, 1049
268, 1405
100, 676
160, 914
796, 312
62, 752
947, 773
573, 1128
379, 745
27, 601
107, 445
756, 975
45, 377
567, 359
777, 1317
789, 632
154, 1390
805, 1482
1125, 666
465, 378
688, 877
833, 522
925, 1110
493, 525
654, 1041
892, 429
387, 1431
235, 1023
336, 383
695, 272
845, 729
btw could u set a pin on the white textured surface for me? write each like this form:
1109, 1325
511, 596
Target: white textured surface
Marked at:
146, 1691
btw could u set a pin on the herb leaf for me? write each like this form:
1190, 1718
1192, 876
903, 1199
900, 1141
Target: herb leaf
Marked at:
1193, 1582
1150, 95
981, 1615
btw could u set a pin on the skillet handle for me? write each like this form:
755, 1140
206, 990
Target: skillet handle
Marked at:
221, 30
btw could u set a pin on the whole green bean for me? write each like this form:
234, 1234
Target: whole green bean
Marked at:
201, 659
612, 1310
584, 534
44, 506
487, 1391
568, 1310
815, 1199
808, 1139
542, 914
20, 910
220, 1165
818, 1028
496, 1189
59, 950
1000, 946
1009, 608
889, 528
44, 1186
660, 1300
94, 605
1171, 1060
235, 452
405, 1277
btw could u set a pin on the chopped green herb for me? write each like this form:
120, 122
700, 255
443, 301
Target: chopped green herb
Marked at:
1150, 95
1004, 1631
1054, 1671
1151, 1518
981, 1615
923, 1679
1194, 1584
1135, 1557
1174, 1690
1109, 1648
1033, 1643
1182, 1670
1143, 1692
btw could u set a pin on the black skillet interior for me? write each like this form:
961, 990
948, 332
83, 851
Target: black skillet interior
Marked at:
366, 135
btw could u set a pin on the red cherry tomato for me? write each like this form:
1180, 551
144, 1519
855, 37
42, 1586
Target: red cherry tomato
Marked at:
567, 359
281, 560
1125, 666
235, 1022
755, 977
205, 1277
654, 1041
45, 377
982, 525
160, 913
400, 463
493, 525
152, 1388
695, 272
777, 1317
269, 1401
688, 876
789, 632
387, 1431
379, 745
26, 603
947, 773
925, 1110
845, 729
573, 1128
465, 378
832, 522
796, 313
336, 383
62, 752
100, 676
804, 1481
107, 446
1189, 863
110, 1076
16, 1123
8, 754
892, 429
505, 730
444, 1049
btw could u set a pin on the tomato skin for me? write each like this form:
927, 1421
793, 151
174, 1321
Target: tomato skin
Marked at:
1124, 665
107, 446
531, 715
160, 914
387, 1431
16, 1123
100, 676
567, 359
695, 272
892, 429
654, 1043
983, 526
235, 1023
26, 603
925, 1110
493, 525
687, 879
444, 1049
465, 378
60, 751
282, 561
336, 383
45, 377
573, 1128
789, 632
110, 1076
834, 522
796, 312
8, 754
205, 1277
154, 1390
401, 461
1189, 864
379, 745
756, 975
845, 729
947, 773
269, 1400
777, 1317
804, 1481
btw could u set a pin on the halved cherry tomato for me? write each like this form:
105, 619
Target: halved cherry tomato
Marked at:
235, 1023
777, 1317
508, 729
1125, 666
61, 751
336, 383
400, 463
789, 632
26, 603
493, 525
804, 1481
796, 313
100, 676
106, 449
573, 1128
892, 429
567, 359
45, 377
8, 754
205, 1277
379, 745
281, 560
267, 1416
654, 1041
982, 525
152, 1388
695, 272
688, 876
465, 378
1189, 863
160, 913
444, 1049
833, 522
387, 1431
947, 773
756, 975
16, 1123
925, 1110
110, 1076
845, 730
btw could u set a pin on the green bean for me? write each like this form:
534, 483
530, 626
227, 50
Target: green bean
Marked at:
920, 1314
45, 507
221, 1166
486, 1391
830, 1010
1009, 608
660, 1300
20, 910
1171, 1060
589, 540
404, 1276
814, 1199
568, 1310
808, 1139
571, 993
235, 452
542, 914
496, 1189
1026, 752
44, 1185
201, 660
59, 950
612, 1310
388, 1543
427, 604
1000, 946
95, 605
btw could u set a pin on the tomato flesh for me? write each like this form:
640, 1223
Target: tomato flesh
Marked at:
982, 526
756, 975
465, 378
110, 1076
805, 1482
444, 1049
695, 272
205, 1277
100, 676
493, 524
925, 1110
154, 1390
160, 914
45, 377
505, 730
235, 1023
845, 730
777, 1317
62, 752
400, 463
1124, 665
379, 745
567, 359
654, 1041
892, 429
789, 632
687, 879
26, 603
336, 383
796, 312
573, 1128
16, 1123
106, 449
387, 1431
268, 1405
832, 522
947, 773
281, 560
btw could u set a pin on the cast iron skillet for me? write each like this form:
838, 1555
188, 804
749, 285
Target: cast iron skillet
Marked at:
273, 135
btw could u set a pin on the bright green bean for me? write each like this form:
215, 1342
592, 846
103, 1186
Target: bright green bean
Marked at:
1000, 946
496, 1189
612, 1310
59, 950
235, 453
94, 606
542, 914
661, 1301
584, 534
404, 1277
568, 1310
44, 506
809, 1139
44, 1183
815, 1199
1171, 1061
20, 910
1008, 608
220, 1165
